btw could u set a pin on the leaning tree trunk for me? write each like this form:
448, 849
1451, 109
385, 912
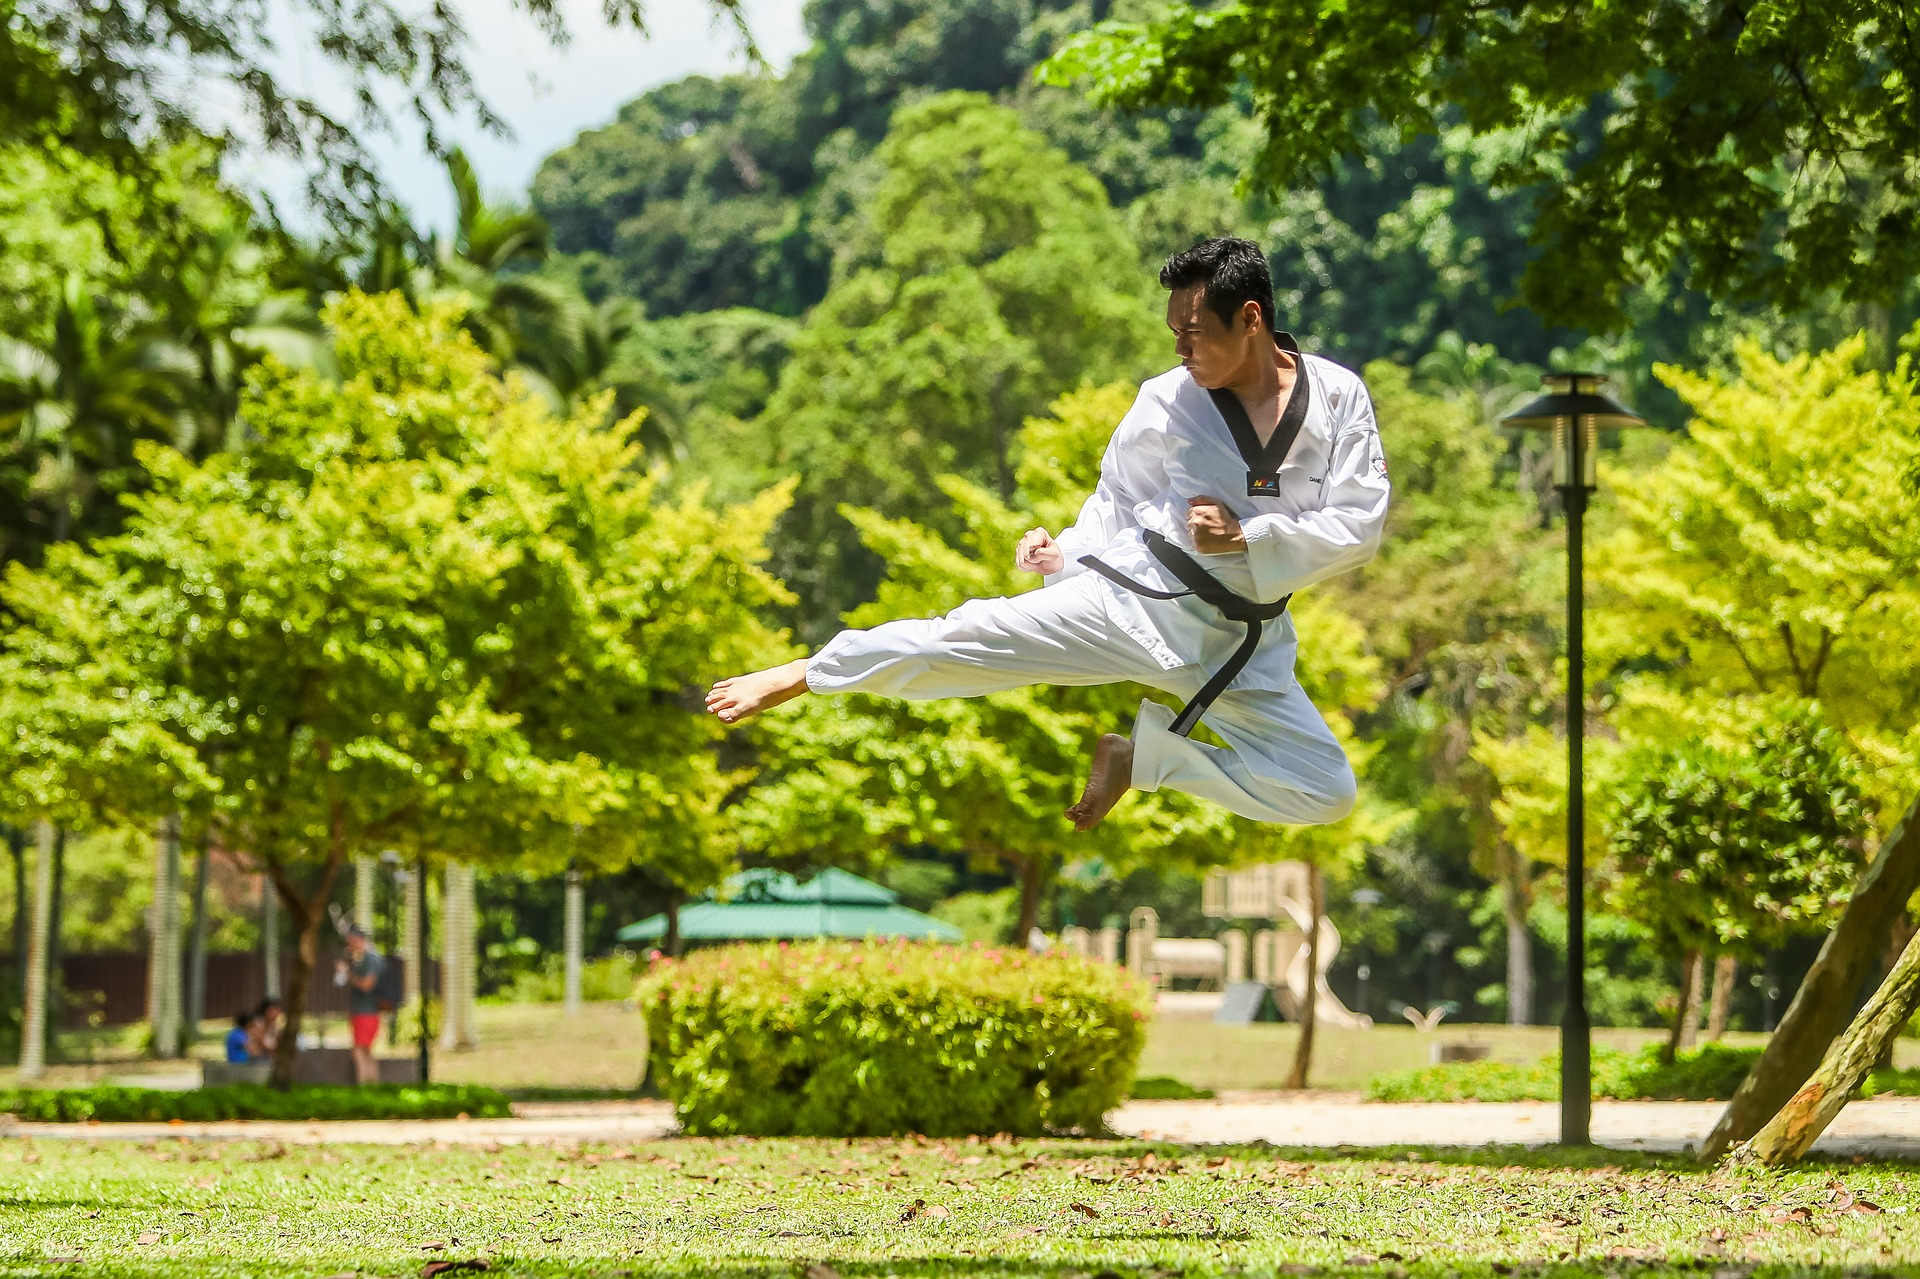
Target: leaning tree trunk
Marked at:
33, 1011
1819, 1007
1513, 905
1725, 969
1681, 1034
1789, 1134
1310, 1006
573, 939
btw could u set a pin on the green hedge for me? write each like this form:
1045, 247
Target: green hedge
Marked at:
1710, 1073
886, 1038
253, 1101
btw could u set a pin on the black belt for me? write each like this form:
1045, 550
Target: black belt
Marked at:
1206, 588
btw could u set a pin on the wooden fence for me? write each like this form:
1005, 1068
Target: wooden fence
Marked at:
111, 989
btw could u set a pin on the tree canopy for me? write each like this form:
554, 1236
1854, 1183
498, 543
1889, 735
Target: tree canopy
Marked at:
1768, 150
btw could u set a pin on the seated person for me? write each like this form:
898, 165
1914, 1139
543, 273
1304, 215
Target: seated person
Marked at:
241, 1038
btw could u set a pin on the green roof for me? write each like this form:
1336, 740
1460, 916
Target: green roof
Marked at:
772, 904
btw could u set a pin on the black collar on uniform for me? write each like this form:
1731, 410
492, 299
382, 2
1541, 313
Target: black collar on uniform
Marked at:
1263, 461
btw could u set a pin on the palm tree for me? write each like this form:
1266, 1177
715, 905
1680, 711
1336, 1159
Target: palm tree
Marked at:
228, 315
537, 323
73, 409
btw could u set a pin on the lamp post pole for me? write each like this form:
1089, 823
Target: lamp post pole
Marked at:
1576, 1062
1576, 412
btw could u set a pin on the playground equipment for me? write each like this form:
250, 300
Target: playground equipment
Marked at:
1214, 964
1279, 891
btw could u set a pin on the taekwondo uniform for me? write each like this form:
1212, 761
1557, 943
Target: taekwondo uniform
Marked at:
1312, 506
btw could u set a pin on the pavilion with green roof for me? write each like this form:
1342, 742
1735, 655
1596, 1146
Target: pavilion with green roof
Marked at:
767, 904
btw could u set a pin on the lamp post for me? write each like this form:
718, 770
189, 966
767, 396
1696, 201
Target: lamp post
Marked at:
1366, 899
1575, 412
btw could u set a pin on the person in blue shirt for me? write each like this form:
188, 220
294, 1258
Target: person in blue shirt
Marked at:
240, 1040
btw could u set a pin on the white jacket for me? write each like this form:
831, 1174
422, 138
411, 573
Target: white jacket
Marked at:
1173, 444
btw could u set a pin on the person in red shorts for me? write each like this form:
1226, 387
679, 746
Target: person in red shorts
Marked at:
362, 968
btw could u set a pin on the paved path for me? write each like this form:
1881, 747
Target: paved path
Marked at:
1886, 1127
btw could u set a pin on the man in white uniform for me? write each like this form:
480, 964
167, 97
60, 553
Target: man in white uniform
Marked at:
1244, 475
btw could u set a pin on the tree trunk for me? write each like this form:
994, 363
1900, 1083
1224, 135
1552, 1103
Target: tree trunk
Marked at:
196, 977
308, 914
33, 1010
1033, 886
1819, 1007
457, 958
1680, 1035
306, 918
411, 939
1903, 933
1513, 904
671, 941
164, 969
573, 928
270, 938
1789, 1134
1310, 1006
1725, 969
366, 872
22, 911
56, 935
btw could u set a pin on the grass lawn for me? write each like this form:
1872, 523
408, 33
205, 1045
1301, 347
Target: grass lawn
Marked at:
871, 1208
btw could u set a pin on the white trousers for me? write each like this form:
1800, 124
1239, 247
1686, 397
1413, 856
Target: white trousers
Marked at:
1280, 764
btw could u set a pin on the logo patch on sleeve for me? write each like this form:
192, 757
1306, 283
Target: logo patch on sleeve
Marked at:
1380, 466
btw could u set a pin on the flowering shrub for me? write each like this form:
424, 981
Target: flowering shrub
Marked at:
882, 1038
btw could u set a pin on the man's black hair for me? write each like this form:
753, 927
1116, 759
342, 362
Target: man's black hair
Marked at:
1234, 272
242, 1020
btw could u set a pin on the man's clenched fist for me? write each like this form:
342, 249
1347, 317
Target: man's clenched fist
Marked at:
1212, 527
1037, 553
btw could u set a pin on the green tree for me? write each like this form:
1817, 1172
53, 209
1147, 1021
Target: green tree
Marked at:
1765, 149
109, 77
422, 612
75, 408
1766, 556
1768, 553
988, 274
1733, 851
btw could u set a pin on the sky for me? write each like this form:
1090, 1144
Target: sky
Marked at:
548, 95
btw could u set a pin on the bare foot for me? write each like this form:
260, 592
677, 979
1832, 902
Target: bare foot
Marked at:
732, 700
1112, 777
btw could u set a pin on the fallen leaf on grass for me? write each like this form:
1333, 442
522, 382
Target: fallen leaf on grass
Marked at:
1085, 1210
437, 1245
149, 1236
1789, 1217
63, 1261
820, 1270
1865, 1207
433, 1268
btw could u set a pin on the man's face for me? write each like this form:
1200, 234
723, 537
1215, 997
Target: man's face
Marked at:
1213, 351
356, 945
